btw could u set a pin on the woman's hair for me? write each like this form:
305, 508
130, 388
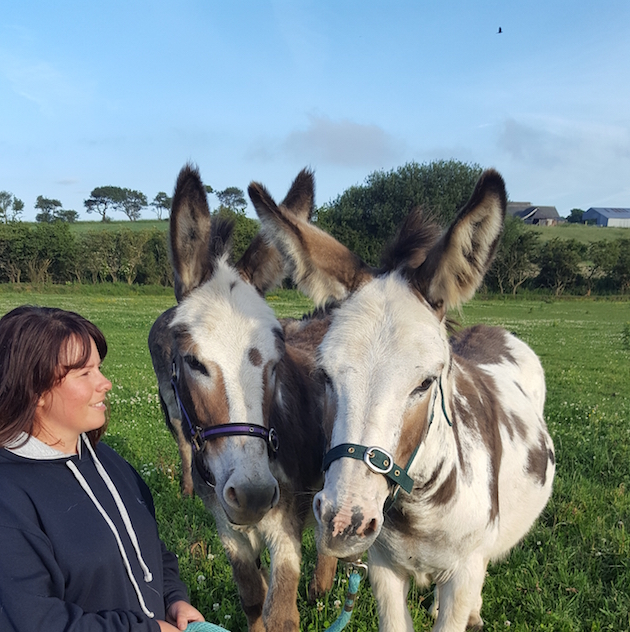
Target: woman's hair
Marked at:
34, 359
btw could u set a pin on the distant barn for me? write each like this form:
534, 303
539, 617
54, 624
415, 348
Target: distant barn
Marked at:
538, 215
619, 217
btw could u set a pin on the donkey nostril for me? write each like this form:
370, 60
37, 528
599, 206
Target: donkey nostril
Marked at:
317, 507
371, 527
231, 496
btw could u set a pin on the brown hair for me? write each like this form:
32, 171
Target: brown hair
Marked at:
33, 360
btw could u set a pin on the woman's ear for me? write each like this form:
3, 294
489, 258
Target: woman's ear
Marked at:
43, 401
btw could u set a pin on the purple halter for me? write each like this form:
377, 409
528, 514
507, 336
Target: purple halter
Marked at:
199, 435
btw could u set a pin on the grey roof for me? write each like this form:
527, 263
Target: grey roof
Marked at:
610, 213
537, 212
513, 208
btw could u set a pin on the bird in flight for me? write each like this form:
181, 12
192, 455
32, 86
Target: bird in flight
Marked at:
500, 30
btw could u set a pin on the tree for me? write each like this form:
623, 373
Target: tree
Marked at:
515, 260
232, 199
575, 216
603, 256
66, 215
51, 211
17, 207
560, 263
621, 269
131, 248
131, 203
47, 208
10, 207
161, 203
364, 217
104, 199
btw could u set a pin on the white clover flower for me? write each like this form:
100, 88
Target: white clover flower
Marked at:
337, 603
201, 579
215, 606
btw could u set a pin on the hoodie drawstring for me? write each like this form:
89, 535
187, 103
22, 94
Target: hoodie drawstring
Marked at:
125, 518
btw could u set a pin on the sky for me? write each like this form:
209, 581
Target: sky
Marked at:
124, 93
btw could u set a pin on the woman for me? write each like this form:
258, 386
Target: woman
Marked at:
79, 546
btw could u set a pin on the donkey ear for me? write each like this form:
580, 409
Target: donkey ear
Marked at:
190, 232
321, 267
456, 265
261, 265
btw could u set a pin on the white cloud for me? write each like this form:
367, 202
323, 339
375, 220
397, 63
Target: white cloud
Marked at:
342, 143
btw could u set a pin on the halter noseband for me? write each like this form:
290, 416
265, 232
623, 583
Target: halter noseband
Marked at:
381, 461
199, 435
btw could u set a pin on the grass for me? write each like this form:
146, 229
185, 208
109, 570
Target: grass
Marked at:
96, 224
581, 232
572, 572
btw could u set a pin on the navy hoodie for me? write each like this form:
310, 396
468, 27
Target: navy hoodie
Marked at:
61, 567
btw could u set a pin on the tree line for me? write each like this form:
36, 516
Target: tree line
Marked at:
363, 217
110, 199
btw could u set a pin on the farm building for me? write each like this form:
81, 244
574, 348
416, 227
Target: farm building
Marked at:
619, 217
530, 214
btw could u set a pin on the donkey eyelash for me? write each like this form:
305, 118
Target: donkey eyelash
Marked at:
195, 365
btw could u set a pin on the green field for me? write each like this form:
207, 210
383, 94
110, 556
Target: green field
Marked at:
141, 224
581, 232
573, 570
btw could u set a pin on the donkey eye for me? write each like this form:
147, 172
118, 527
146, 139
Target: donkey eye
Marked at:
325, 377
195, 365
424, 387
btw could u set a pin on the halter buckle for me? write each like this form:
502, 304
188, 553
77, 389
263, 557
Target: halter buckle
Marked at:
272, 440
379, 460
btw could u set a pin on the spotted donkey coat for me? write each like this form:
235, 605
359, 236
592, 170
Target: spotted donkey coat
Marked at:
471, 405
233, 364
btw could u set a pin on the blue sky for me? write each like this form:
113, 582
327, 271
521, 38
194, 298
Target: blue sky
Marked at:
123, 93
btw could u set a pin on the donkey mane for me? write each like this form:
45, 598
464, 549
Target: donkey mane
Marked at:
413, 240
221, 233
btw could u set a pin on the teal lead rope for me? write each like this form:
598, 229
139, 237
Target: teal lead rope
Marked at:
353, 588
354, 579
204, 626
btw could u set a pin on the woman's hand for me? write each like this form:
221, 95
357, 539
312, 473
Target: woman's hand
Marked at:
180, 614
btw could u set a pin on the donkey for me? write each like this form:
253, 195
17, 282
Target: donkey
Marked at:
439, 458
244, 405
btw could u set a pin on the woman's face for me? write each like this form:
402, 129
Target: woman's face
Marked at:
75, 405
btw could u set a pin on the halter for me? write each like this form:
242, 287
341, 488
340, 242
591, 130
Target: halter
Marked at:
381, 461
199, 435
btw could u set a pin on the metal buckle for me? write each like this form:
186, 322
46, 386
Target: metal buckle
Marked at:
272, 440
357, 567
388, 460
196, 440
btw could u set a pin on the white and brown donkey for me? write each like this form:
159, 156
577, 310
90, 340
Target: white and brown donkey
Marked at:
439, 457
242, 401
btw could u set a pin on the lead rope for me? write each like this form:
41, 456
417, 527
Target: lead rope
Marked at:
354, 579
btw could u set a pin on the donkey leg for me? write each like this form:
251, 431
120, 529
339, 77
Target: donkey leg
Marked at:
323, 576
460, 598
284, 541
250, 581
390, 590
